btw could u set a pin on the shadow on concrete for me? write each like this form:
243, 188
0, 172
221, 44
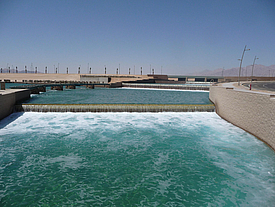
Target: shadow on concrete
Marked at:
9, 119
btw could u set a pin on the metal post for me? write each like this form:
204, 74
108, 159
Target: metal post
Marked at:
117, 71
9, 69
105, 70
241, 63
26, 71
67, 70
46, 70
16, 69
129, 71
3, 87
140, 70
252, 71
90, 70
35, 69
78, 70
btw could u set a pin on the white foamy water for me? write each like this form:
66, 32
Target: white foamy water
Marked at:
142, 159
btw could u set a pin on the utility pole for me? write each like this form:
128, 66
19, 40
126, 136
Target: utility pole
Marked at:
140, 70
46, 70
252, 71
241, 63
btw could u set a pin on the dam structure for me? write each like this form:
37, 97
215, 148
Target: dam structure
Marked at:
172, 158
37, 83
251, 110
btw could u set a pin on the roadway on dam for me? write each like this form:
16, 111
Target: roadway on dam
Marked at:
268, 86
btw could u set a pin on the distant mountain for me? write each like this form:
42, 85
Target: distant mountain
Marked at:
259, 70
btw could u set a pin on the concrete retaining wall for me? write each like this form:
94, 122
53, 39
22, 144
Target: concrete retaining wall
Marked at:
8, 98
251, 111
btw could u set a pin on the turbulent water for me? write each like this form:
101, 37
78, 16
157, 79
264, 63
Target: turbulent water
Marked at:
120, 96
132, 159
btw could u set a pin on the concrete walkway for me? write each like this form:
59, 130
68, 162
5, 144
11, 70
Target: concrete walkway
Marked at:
243, 88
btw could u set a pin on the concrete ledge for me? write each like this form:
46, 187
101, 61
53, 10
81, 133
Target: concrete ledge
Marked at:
113, 108
9, 97
252, 111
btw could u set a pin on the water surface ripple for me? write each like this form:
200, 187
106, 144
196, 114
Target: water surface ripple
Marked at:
83, 95
132, 159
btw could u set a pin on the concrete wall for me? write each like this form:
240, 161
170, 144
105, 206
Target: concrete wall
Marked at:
251, 111
8, 98
94, 79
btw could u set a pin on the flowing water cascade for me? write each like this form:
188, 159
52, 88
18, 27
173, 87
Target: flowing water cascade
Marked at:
168, 86
114, 108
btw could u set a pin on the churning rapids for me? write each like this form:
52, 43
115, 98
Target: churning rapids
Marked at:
132, 159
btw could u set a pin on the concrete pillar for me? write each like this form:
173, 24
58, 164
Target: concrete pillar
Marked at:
58, 88
91, 86
3, 87
35, 91
70, 87
42, 89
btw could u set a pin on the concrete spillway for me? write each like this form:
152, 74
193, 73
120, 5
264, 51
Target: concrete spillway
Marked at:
114, 108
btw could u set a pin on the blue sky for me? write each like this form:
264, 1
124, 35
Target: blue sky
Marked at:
180, 37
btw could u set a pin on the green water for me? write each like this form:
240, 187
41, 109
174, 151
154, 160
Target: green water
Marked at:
132, 159
120, 96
